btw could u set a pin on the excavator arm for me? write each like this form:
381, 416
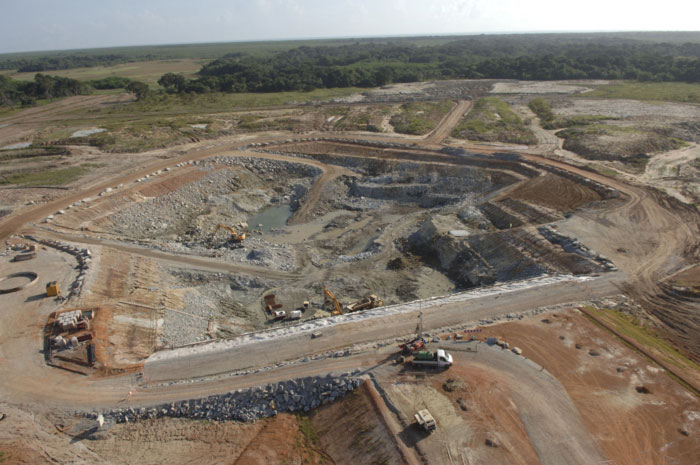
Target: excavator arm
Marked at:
234, 235
331, 297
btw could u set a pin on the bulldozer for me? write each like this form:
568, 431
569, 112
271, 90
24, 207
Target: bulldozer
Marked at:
235, 237
330, 299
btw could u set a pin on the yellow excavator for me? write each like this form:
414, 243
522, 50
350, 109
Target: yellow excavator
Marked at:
235, 237
330, 297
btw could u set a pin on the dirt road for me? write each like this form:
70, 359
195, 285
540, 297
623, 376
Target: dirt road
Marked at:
448, 123
214, 359
330, 172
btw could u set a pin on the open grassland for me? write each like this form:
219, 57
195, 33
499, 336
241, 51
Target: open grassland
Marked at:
419, 118
31, 152
49, 176
146, 71
165, 104
645, 337
653, 91
493, 120
543, 109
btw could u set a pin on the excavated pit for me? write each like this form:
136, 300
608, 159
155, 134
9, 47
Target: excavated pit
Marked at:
393, 221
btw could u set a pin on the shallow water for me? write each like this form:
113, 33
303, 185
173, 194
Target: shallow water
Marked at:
20, 145
272, 217
86, 132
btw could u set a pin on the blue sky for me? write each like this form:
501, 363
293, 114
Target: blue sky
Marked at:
61, 24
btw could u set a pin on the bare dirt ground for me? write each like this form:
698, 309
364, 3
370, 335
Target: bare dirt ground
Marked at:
604, 378
498, 406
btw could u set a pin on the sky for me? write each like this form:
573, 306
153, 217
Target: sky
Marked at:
27, 25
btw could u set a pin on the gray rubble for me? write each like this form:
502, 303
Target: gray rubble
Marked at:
300, 394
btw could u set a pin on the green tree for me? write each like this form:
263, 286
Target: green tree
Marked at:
173, 82
139, 89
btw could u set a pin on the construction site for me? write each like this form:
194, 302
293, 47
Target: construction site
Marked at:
333, 295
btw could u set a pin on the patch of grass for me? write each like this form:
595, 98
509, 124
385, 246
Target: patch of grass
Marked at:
543, 110
420, 118
651, 91
48, 177
492, 119
605, 171
32, 152
145, 71
631, 327
307, 429
628, 144
259, 123
165, 104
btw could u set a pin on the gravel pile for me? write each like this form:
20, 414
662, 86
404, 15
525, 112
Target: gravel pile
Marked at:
301, 394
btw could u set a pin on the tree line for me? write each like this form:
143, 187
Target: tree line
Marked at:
55, 63
26, 93
377, 64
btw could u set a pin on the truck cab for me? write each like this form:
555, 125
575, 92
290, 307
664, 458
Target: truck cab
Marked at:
425, 420
444, 357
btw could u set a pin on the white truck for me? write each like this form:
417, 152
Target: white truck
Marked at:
438, 359
425, 420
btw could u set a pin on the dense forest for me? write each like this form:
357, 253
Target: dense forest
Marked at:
26, 93
535, 57
33, 65
304, 66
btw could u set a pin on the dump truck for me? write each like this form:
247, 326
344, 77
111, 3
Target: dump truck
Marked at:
425, 420
371, 301
437, 359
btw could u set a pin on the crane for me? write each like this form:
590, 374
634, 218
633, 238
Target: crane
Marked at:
331, 297
235, 237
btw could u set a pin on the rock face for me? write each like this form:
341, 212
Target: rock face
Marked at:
450, 253
301, 394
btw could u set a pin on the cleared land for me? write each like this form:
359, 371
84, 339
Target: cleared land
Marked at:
145, 71
405, 217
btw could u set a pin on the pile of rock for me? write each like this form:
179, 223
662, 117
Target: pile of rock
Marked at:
302, 394
82, 255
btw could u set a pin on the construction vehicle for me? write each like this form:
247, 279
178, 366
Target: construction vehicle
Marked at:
371, 301
270, 303
425, 420
235, 237
330, 299
52, 289
418, 342
437, 359
278, 314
